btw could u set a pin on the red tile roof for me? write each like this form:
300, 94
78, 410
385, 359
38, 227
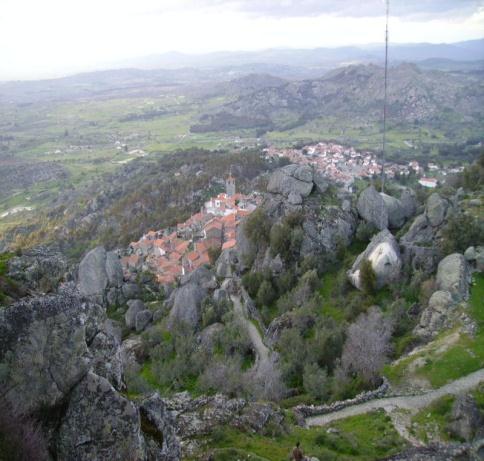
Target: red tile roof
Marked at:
229, 244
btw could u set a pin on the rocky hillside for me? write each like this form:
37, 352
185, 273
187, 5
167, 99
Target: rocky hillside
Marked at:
18, 175
354, 92
329, 302
142, 195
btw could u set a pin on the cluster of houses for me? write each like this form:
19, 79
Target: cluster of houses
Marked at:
171, 253
345, 164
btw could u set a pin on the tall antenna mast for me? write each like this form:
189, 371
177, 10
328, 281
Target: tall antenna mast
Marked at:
385, 102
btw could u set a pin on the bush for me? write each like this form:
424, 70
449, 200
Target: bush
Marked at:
213, 312
213, 254
365, 231
367, 277
224, 376
461, 232
175, 362
316, 382
266, 294
257, 228
251, 282
427, 288
21, 438
367, 346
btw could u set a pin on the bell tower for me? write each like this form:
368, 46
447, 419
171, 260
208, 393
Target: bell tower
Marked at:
230, 185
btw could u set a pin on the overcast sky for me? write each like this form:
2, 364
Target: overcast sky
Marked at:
43, 38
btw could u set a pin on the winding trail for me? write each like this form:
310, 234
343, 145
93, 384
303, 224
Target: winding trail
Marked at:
263, 353
412, 403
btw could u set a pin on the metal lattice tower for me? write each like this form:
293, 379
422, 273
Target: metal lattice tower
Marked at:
384, 141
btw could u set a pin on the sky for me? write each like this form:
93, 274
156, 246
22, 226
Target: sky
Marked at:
48, 38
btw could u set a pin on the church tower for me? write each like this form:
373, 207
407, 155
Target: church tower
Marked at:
230, 185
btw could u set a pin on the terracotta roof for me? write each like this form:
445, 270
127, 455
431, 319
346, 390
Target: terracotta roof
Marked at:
174, 256
182, 247
192, 256
229, 244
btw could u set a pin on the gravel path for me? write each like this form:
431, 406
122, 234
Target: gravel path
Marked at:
412, 403
263, 353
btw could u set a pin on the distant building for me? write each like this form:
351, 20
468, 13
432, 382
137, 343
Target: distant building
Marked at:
428, 182
230, 186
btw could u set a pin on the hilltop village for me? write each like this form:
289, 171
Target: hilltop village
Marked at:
171, 253
345, 164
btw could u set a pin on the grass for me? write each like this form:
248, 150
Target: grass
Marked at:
4, 258
433, 420
363, 437
461, 359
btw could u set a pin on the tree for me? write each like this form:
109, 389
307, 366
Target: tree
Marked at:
461, 232
257, 227
367, 277
213, 254
367, 346
315, 381
265, 294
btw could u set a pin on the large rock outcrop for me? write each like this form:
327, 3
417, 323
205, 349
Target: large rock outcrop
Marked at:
435, 315
452, 280
99, 270
159, 422
195, 417
185, 302
475, 256
397, 214
135, 306
436, 209
44, 344
453, 276
372, 208
421, 243
325, 231
227, 263
99, 424
384, 254
39, 269
293, 182
107, 356
467, 422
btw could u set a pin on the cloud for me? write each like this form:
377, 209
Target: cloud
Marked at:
415, 9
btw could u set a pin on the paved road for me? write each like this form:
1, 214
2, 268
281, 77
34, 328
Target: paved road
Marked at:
412, 403
263, 353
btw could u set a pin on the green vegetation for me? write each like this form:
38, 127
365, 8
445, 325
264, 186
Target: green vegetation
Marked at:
364, 437
367, 277
461, 232
9, 289
460, 358
433, 420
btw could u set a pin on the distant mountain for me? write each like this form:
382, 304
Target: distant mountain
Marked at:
315, 58
354, 92
450, 65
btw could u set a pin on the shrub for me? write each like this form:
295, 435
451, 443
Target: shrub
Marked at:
21, 438
367, 346
251, 282
257, 228
461, 232
280, 240
365, 231
316, 382
266, 294
427, 288
224, 376
213, 254
367, 277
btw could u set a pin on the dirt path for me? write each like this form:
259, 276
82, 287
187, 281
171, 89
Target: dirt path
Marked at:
263, 353
411, 403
